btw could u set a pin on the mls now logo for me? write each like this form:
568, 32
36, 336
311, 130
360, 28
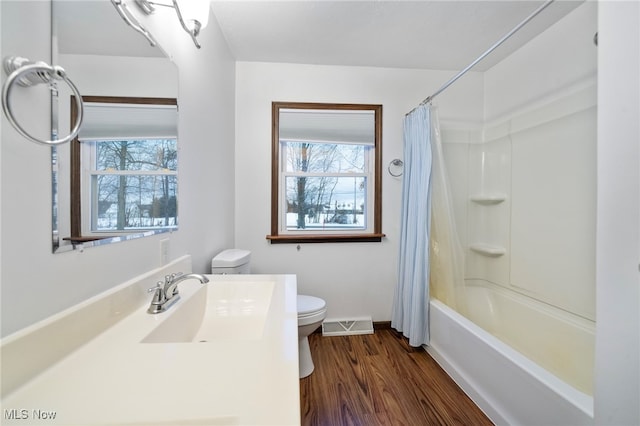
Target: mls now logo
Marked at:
24, 414
16, 414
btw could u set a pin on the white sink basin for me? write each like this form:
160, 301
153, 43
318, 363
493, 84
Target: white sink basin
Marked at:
246, 373
215, 311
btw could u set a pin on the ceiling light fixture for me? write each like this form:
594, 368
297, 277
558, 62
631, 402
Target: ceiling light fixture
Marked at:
193, 14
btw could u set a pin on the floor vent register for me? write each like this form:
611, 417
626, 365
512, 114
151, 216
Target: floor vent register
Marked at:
346, 327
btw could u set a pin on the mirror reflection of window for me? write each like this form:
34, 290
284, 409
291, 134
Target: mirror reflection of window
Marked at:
105, 57
124, 168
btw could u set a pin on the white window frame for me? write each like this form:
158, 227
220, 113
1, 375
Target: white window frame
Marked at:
89, 202
369, 175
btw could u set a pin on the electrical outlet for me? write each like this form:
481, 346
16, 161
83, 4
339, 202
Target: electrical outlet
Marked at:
164, 251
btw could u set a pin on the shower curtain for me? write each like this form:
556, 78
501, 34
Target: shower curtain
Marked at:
445, 251
430, 256
411, 300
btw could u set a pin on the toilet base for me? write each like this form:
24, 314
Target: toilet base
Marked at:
305, 363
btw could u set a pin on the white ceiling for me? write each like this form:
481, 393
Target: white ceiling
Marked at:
406, 34
428, 34
93, 27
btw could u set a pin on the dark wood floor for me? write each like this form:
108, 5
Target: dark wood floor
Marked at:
378, 379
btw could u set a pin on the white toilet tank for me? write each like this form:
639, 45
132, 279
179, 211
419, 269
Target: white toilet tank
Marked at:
231, 261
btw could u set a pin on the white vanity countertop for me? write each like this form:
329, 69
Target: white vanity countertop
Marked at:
116, 380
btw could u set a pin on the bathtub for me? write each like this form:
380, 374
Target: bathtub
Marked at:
511, 388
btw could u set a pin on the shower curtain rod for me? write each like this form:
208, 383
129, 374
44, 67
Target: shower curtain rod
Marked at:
481, 57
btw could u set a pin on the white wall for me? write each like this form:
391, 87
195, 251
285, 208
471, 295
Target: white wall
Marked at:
36, 283
617, 377
355, 279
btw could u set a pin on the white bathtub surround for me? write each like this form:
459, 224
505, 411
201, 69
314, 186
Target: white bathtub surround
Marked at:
526, 193
529, 267
531, 201
120, 378
538, 148
510, 388
530, 233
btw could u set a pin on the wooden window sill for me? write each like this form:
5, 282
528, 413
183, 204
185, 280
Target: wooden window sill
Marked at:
86, 239
319, 238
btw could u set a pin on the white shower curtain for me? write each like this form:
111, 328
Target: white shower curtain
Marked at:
446, 254
411, 300
431, 256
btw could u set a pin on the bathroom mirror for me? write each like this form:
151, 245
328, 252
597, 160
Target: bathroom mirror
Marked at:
106, 59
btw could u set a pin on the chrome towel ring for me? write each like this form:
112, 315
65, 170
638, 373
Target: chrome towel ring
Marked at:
26, 73
395, 167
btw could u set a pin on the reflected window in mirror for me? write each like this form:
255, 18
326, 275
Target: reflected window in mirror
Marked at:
326, 173
124, 168
105, 57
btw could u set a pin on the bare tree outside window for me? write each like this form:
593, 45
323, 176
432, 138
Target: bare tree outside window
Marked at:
135, 184
327, 191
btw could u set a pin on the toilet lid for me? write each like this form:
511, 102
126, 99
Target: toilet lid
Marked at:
309, 304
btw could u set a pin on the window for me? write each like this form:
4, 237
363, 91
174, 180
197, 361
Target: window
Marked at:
131, 184
125, 176
326, 183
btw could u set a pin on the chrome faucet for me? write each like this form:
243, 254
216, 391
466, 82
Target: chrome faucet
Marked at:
166, 293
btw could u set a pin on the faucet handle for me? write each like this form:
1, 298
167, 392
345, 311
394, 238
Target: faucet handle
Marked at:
169, 278
168, 281
159, 298
154, 288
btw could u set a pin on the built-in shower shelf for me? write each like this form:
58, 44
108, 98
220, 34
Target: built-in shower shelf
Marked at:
487, 199
488, 249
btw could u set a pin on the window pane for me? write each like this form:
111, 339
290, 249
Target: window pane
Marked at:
324, 157
326, 203
134, 202
151, 154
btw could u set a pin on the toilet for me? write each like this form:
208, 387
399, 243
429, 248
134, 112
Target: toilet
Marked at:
311, 310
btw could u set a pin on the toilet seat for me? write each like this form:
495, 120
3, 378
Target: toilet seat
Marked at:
309, 305
310, 309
